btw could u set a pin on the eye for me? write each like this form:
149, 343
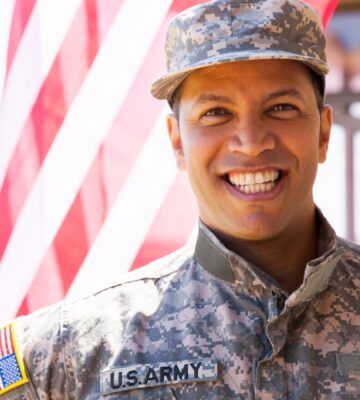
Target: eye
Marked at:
283, 107
283, 111
216, 112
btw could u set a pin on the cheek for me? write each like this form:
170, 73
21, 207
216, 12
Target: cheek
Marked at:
200, 150
307, 159
303, 142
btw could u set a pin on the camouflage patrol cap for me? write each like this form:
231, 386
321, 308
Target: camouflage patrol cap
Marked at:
223, 31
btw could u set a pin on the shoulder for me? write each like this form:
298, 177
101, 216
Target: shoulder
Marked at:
63, 336
138, 290
135, 291
350, 252
350, 247
349, 260
55, 321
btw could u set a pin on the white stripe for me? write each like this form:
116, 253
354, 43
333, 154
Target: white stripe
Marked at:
1, 384
76, 145
129, 220
7, 10
42, 38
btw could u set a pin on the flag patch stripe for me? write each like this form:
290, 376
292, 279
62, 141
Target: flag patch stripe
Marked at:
12, 370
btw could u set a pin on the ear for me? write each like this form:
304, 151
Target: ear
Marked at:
326, 118
175, 140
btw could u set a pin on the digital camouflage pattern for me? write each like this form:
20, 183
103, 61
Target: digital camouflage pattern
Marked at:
232, 30
208, 307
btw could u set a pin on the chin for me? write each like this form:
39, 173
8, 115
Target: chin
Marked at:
257, 229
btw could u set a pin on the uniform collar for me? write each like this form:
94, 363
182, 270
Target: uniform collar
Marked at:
212, 255
222, 263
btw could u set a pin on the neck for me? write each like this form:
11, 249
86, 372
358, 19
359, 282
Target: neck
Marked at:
283, 257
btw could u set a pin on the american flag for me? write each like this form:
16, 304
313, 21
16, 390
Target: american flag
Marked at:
12, 372
88, 185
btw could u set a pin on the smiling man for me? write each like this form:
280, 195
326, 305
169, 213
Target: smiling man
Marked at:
265, 305
250, 135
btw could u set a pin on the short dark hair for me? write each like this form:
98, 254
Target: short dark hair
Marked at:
317, 81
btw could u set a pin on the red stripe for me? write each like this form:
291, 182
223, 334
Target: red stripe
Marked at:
48, 113
21, 15
92, 30
173, 222
329, 11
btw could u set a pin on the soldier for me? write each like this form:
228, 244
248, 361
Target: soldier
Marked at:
265, 305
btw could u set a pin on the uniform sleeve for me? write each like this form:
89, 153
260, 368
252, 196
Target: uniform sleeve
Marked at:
39, 358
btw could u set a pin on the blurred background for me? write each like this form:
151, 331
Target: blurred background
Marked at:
341, 201
88, 185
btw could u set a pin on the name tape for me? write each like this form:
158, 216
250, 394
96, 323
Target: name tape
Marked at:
165, 373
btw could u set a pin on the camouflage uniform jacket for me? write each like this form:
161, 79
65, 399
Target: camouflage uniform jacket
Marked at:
203, 323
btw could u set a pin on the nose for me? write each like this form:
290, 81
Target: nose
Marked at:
251, 137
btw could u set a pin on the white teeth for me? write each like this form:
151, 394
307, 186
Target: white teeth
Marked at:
268, 176
257, 188
259, 177
249, 179
255, 182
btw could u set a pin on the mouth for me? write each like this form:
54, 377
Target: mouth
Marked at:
255, 182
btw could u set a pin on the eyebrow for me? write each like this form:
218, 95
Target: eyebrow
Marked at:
286, 92
205, 98
211, 97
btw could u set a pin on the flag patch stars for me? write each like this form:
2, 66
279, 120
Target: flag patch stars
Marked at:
12, 371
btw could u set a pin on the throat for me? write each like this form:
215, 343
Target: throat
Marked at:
284, 259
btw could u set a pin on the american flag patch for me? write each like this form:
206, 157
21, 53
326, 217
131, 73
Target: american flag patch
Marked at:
12, 371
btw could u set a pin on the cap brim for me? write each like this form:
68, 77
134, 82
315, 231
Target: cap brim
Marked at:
164, 87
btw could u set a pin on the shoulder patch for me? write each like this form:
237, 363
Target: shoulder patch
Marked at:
12, 370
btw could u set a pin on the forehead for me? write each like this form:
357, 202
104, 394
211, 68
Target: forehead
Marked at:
255, 74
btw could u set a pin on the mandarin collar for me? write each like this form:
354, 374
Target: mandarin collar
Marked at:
224, 264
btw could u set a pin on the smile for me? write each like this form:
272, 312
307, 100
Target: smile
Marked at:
256, 182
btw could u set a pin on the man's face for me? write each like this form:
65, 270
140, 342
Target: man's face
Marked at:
250, 136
